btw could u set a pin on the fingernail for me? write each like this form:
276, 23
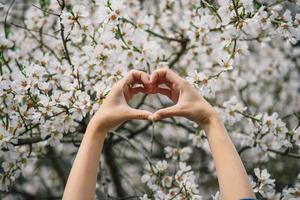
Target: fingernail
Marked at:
151, 118
150, 79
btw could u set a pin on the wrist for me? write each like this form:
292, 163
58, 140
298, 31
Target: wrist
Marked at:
97, 122
212, 121
95, 131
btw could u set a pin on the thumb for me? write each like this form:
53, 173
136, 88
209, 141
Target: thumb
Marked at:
166, 112
139, 114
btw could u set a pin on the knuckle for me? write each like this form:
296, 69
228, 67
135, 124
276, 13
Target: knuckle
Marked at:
140, 116
165, 69
133, 71
160, 70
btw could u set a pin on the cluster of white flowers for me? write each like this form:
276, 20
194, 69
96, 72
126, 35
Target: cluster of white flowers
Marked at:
165, 186
265, 186
180, 154
208, 86
198, 139
234, 110
60, 58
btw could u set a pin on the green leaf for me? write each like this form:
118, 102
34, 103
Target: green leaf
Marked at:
69, 8
136, 49
118, 35
108, 4
257, 5
1, 71
7, 30
44, 4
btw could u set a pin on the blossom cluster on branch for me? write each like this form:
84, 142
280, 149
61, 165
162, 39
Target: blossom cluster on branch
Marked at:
59, 58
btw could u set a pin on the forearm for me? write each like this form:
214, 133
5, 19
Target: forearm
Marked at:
82, 179
232, 176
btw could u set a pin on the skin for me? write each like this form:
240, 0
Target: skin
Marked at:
232, 176
115, 110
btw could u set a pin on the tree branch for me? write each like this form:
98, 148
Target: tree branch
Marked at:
134, 133
180, 53
113, 168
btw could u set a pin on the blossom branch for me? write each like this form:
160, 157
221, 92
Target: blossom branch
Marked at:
180, 53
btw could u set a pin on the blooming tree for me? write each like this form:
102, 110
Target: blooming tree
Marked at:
59, 58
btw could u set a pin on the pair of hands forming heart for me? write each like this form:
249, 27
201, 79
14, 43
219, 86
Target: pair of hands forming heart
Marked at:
234, 184
188, 103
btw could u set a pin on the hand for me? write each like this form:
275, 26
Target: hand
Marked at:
115, 109
188, 103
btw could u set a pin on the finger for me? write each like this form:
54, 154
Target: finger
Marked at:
138, 114
164, 75
135, 76
145, 78
136, 90
172, 111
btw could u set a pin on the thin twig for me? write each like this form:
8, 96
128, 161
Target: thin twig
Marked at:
62, 35
163, 37
236, 10
131, 144
180, 53
46, 11
6, 15
292, 155
27, 29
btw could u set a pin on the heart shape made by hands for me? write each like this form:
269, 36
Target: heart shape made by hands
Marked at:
187, 101
151, 84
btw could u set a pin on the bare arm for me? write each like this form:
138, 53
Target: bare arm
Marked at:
82, 179
233, 180
81, 183
232, 176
